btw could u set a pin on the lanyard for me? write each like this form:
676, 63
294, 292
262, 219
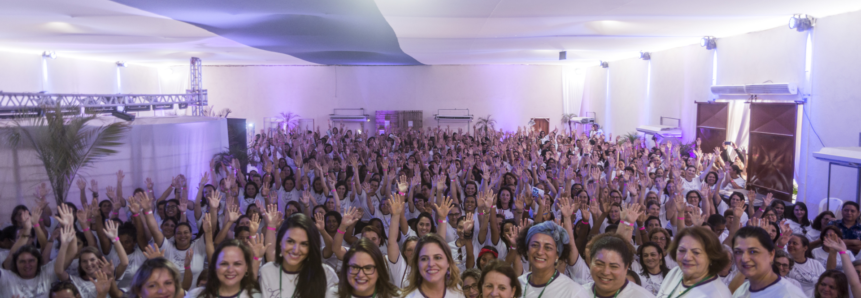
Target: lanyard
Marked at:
595, 293
688, 289
544, 287
280, 280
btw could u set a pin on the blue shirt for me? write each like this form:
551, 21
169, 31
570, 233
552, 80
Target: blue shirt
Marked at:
853, 232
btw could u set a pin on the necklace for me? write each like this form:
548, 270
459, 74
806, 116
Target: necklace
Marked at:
544, 287
595, 292
688, 289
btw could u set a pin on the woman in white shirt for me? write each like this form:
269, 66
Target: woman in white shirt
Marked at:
824, 254
433, 273
298, 270
610, 258
651, 268
700, 256
90, 262
753, 253
782, 265
364, 273
231, 273
157, 277
498, 280
176, 250
798, 221
543, 244
30, 275
806, 270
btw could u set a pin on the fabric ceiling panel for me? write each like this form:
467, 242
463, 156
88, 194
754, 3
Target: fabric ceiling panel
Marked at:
320, 31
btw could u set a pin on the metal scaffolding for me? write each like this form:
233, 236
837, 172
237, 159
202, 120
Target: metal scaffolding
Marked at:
23, 104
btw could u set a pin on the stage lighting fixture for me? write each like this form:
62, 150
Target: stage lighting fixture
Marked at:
604, 64
563, 55
121, 63
801, 22
645, 55
708, 42
49, 54
124, 116
250, 124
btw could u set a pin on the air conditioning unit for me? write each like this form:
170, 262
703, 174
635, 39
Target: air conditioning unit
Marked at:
450, 117
583, 120
728, 90
349, 118
784, 88
663, 131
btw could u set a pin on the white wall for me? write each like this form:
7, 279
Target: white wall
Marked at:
512, 94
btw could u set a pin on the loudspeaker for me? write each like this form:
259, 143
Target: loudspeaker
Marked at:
237, 140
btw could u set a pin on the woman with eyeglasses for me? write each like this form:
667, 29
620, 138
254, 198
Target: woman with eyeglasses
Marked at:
470, 279
364, 273
782, 265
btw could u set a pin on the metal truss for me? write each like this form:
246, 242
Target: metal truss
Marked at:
29, 103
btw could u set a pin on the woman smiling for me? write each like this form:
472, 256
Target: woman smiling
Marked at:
753, 253
611, 257
433, 273
364, 273
543, 244
298, 270
700, 256
232, 270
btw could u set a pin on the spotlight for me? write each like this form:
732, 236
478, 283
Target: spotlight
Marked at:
604, 64
563, 55
122, 115
49, 54
801, 22
708, 42
121, 63
645, 56
250, 124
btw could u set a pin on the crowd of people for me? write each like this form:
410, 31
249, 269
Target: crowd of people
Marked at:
436, 213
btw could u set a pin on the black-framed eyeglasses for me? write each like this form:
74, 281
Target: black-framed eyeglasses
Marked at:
368, 270
781, 265
470, 287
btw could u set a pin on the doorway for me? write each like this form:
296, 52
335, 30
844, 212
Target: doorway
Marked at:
541, 124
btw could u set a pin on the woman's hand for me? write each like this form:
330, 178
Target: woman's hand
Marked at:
189, 257
397, 203
233, 213
67, 235
257, 245
320, 222
351, 217
111, 229
834, 243
254, 226
82, 184
152, 252
102, 283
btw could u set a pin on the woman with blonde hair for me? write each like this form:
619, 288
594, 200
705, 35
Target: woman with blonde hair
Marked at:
433, 273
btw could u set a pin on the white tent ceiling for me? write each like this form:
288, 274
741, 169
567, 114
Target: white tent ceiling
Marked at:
430, 31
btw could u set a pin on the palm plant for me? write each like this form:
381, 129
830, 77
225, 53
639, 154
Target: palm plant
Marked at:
484, 123
289, 119
65, 145
630, 137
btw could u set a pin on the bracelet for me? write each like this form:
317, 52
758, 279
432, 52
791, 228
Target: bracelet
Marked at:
760, 210
256, 259
842, 252
681, 218
136, 214
627, 223
442, 221
402, 193
149, 212
187, 267
642, 228
115, 213
36, 225
270, 228
115, 240
86, 229
89, 220
341, 232
585, 222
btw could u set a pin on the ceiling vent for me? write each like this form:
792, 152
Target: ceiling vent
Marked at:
759, 89
728, 90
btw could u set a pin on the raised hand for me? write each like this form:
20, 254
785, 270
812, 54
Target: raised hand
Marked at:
233, 213
94, 185
320, 222
397, 203
102, 282
149, 184
511, 236
767, 200
351, 217
255, 222
189, 257
145, 201
834, 243
111, 229
152, 252
565, 206
403, 185
214, 200
696, 216
257, 245
680, 203
67, 234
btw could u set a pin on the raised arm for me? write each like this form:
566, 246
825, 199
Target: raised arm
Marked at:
273, 221
112, 232
394, 228
836, 244
67, 235
441, 211
146, 205
567, 210
351, 216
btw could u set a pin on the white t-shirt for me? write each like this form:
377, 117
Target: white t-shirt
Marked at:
780, 288
820, 255
672, 286
177, 257
85, 287
694, 184
560, 286
136, 259
670, 262
629, 290
11, 284
399, 272
455, 293
194, 293
807, 274
650, 282
285, 197
274, 282
579, 272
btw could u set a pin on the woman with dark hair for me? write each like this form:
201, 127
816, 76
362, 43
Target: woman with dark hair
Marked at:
797, 219
157, 278
17, 213
470, 279
543, 245
663, 239
806, 271
250, 195
364, 273
610, 258
651, 268
176, 250
829, 258
498, 280
432, 270
232, 268
64, 289
701, 257
90, 262
832, 284
779, 209
505, 203
291, 208
297, 270
399, 258
25, 272
288, 192
818, 223
753, 253
424, 224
